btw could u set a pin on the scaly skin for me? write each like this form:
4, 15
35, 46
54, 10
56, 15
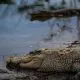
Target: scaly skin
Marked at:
46, 60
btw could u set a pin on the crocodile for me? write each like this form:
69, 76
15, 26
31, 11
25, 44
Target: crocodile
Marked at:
48, 60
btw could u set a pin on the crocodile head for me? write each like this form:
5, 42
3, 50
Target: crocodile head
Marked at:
32, 60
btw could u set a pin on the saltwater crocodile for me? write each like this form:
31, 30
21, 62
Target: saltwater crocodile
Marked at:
48, 60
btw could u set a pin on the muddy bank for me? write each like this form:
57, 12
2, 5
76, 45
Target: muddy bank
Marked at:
34, 75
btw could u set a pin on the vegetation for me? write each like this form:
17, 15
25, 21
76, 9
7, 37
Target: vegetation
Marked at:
6, 2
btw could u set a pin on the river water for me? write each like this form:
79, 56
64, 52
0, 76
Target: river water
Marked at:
18, 35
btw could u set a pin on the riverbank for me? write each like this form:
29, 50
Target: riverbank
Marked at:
33, 75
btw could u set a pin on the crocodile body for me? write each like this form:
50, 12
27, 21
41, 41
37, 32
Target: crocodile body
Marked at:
48, 60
